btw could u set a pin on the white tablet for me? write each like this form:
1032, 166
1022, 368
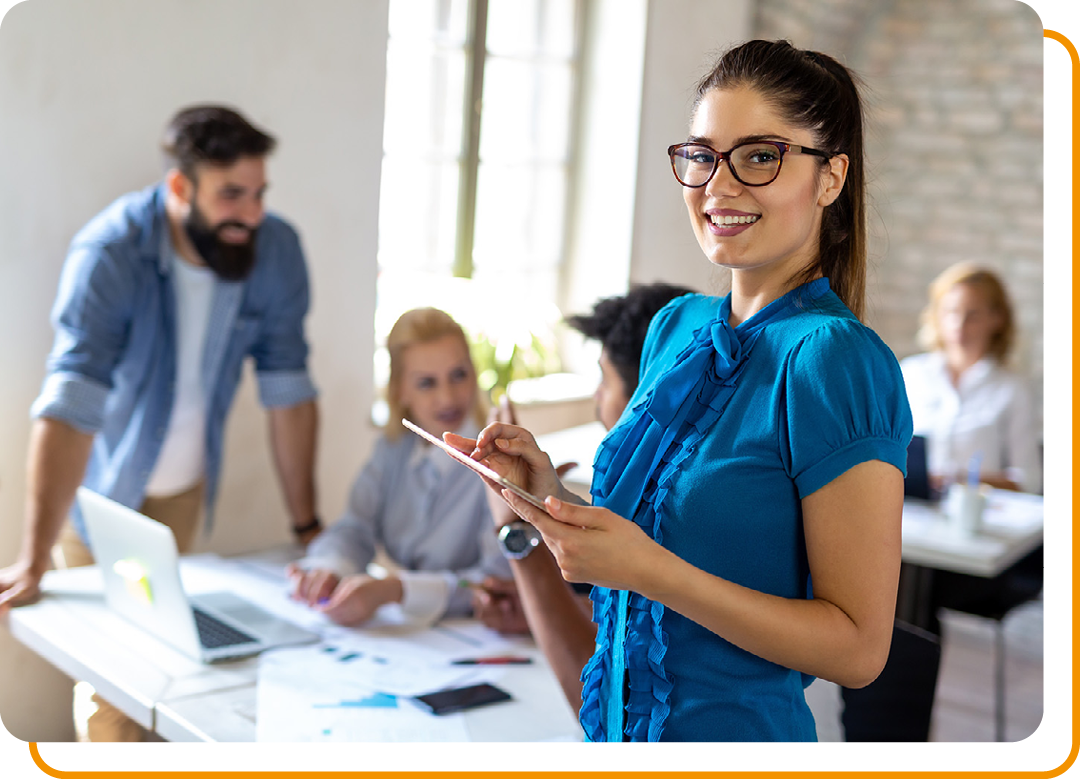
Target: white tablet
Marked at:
479, 467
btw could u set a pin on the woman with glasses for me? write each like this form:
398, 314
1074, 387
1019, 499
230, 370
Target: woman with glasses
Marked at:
745, 531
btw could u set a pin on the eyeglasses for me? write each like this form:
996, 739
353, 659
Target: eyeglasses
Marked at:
753, 164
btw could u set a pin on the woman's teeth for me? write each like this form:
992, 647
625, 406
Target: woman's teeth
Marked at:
733, 220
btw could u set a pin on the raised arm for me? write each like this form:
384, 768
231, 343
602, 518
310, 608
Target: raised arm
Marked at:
55, 465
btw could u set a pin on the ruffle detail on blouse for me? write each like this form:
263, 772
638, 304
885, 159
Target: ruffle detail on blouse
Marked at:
647, 707
599, 665
662, 432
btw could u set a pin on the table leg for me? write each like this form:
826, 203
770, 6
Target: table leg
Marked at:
999, 681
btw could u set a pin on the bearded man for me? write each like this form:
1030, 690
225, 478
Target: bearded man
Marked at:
162, 297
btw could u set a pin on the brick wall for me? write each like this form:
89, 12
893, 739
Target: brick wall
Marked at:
954, 145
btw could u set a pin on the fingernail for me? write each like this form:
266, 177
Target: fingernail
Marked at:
502, 443
554, 503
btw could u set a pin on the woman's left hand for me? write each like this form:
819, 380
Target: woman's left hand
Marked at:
592, 544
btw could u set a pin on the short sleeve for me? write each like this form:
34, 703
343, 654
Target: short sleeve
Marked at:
844, 404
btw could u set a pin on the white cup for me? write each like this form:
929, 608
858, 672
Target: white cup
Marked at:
964, 506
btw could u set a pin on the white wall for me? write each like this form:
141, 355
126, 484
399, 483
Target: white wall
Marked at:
85, 90
684, 38
641, 61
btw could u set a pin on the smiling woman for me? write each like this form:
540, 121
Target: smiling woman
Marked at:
745, 532
429, 513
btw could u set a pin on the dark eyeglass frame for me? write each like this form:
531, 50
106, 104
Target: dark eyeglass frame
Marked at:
781, 149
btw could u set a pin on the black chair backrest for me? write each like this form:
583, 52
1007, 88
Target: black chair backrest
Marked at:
917, 481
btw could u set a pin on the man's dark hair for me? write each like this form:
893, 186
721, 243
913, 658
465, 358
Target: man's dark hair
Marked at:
212, 134
620, 323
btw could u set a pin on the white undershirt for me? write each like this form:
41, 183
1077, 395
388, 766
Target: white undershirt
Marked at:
182, 460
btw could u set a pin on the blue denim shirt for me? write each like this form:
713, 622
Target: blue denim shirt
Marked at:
112, 368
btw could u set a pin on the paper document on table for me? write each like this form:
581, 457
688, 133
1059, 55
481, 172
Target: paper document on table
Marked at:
337, 693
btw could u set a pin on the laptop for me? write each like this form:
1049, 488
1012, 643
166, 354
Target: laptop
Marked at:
917, 481
139, 564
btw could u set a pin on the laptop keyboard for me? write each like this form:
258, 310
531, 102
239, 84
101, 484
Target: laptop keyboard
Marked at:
214, 633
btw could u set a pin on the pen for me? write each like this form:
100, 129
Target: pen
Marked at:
500, 660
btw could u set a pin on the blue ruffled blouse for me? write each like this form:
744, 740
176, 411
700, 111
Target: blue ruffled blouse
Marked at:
728, 430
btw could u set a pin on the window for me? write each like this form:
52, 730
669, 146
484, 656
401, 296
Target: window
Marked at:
480, 100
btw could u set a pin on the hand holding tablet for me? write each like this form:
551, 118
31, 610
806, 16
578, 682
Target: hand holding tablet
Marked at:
479, 467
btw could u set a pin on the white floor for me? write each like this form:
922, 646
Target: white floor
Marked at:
964, 703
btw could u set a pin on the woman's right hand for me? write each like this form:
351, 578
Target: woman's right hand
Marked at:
500, 511
311, 586
512, 452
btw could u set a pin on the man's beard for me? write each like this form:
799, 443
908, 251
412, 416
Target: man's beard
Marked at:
230, 261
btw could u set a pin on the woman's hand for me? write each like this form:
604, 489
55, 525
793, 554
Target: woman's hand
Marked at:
592, 544
500, 512
511, 451
313, 585
358, 597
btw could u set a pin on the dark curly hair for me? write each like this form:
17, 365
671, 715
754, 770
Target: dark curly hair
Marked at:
619, 323
212, 134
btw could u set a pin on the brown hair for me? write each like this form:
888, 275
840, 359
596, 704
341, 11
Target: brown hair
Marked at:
420, 326
212, 135
815, 92
990, 283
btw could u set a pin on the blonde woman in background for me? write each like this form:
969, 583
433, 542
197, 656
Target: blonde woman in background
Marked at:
970, 407
427, 512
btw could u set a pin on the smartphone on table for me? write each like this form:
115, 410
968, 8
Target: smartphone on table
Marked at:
461, 698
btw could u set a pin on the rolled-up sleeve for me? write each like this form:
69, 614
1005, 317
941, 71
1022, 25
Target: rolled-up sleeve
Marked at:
281, 350
90, 318
285, 388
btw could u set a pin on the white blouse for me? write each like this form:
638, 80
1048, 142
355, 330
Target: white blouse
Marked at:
989, 415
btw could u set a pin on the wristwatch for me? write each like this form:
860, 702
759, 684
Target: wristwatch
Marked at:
518, 539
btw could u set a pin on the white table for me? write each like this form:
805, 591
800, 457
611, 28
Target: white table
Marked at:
182, 699
1012, 527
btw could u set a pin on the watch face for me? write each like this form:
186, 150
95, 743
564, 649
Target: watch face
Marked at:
518, 540
515, 541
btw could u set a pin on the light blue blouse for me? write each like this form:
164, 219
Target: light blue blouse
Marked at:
727, 432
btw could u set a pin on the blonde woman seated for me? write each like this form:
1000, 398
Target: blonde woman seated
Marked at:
969, 405
429, 513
